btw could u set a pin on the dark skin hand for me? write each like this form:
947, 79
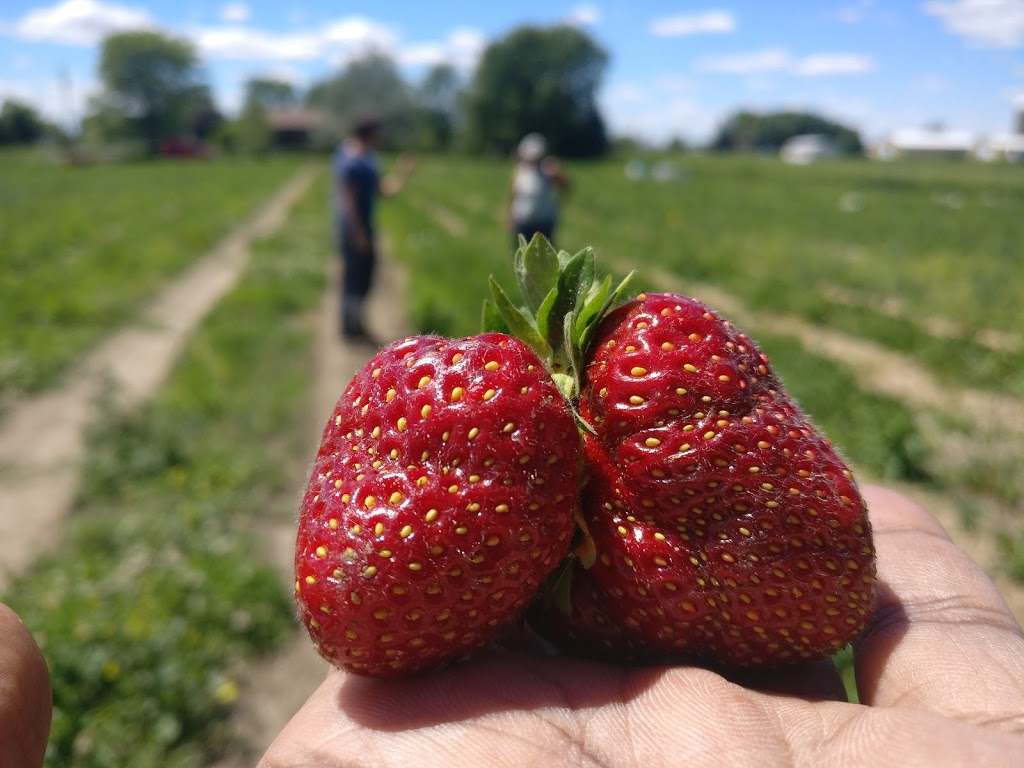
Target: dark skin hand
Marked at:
940, 672
25, 699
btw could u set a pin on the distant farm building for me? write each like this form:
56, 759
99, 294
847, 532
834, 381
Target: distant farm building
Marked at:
808, 148
926, 143
1007, 146
293, 128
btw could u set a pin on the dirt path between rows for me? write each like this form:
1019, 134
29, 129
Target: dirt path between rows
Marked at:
41, 438
273, 689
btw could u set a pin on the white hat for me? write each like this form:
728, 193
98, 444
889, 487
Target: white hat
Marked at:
532, 147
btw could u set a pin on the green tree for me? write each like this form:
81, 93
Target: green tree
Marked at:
437, 98
152, 81
370, 85
749, 131
538, 79
271, 93
20, 123
252, 130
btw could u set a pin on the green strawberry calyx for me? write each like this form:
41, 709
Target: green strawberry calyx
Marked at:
564, 304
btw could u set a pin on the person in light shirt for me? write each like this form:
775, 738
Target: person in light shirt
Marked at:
538, 181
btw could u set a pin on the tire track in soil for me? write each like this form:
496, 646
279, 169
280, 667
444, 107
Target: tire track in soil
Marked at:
273, 689
41, 438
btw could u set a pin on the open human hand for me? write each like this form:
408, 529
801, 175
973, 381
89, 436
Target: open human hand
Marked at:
940, 673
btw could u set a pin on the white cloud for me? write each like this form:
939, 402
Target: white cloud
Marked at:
780, 60
63, 102
254, 44
656, 110
79, 22
982, 23
340, 40
461, 49
235, 13
854, 14
585, 15
662, 120
833, 64
359, 31
765, 60
709, 22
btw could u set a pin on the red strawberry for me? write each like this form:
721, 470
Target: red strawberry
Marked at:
717, 522
441, 498
726, 527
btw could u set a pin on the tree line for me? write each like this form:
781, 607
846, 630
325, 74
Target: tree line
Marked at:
543, 79
534, 79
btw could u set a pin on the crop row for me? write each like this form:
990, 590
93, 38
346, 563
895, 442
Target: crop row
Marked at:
157, 590
84, 247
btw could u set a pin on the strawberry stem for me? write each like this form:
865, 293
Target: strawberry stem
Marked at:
564, 305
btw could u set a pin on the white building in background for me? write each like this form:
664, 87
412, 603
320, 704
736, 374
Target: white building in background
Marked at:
1005, 146
940, 142
808, 148
926, 142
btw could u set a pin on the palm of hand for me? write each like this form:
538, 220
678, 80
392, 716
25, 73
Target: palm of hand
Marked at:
939, 670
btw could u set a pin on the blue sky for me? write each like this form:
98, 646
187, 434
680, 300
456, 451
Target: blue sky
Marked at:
676, 68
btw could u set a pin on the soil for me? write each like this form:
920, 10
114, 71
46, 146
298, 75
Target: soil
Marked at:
273, 689
41, 439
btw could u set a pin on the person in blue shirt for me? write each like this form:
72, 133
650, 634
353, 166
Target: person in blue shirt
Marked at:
358, 185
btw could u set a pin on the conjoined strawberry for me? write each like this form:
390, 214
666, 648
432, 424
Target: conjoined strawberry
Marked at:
636, 480
717, 522
726, 527
441, 497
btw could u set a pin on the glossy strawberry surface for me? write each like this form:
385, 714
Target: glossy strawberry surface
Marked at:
441, 497
726, 526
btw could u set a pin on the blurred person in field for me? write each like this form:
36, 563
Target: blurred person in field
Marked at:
538, 180
358, 185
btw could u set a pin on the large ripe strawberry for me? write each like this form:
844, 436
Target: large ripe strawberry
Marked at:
441, 498
721, 524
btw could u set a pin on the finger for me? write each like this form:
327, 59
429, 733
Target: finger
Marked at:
25, 698
942, 638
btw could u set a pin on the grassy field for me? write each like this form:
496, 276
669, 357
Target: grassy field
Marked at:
83, 247
155, 591
942, 241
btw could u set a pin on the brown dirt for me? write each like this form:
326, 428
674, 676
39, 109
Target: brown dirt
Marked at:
273, 689
41, 436
939, 327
